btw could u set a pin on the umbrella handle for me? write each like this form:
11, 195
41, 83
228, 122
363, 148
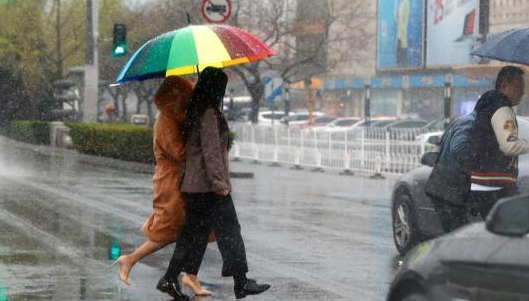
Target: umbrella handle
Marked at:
188, 18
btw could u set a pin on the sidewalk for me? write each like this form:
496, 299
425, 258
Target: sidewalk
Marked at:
99, 160
239, 169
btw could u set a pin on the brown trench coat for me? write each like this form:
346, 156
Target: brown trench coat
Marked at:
168, 216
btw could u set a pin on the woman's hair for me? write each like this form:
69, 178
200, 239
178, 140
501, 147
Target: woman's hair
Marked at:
209, 93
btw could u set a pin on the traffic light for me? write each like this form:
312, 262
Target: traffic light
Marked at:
119, 45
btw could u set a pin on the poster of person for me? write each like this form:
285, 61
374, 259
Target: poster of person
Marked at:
400, 33
451, 30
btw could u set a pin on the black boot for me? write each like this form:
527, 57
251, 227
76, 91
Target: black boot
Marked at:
171, 288
249, 288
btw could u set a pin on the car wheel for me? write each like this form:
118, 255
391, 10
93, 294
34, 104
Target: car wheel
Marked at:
405, 233
415, 297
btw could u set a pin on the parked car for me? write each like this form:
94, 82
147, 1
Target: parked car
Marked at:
300, 119
482, 261
428, 140
413, 216
340, 124
435, 125
139, 119
406, 129
376, 121
269, 118
406, 124
323, 121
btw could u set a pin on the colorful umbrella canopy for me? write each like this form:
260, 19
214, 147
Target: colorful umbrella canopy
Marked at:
182, 51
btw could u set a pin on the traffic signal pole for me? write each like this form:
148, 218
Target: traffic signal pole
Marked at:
88, 110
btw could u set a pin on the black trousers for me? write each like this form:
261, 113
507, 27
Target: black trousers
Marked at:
206, 212
452, 216
483, 201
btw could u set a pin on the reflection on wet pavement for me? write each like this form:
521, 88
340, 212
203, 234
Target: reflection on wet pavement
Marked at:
312, 236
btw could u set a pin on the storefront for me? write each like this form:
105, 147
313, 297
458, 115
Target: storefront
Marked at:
421, 96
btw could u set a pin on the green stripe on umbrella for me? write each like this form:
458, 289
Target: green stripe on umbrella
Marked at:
179, 52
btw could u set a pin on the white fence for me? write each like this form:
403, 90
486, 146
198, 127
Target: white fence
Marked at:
376, 150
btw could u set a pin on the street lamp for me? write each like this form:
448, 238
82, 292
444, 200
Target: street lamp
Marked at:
350, 100
310, 100
367, 104
447, 102
287, 102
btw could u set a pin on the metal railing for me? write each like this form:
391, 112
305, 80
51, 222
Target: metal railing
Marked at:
367, 149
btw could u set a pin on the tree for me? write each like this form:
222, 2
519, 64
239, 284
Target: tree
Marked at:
64, 29
14, 104
144, 92
22, 54
310, 37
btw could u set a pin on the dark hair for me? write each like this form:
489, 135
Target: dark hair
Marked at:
209, 93
507, 74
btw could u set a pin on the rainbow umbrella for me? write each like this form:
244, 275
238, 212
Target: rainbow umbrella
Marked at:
191, 49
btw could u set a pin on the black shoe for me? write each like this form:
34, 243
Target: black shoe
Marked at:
250, 288
171, 288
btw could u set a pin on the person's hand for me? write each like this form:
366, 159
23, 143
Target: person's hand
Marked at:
223, 192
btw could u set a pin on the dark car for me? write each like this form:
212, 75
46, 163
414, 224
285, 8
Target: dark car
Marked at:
435, 125
482, 261
413, 216
406, 124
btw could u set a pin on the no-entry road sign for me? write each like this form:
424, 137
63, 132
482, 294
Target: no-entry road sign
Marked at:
216, 11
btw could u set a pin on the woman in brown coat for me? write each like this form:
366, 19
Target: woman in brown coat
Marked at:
167, 219
207, 188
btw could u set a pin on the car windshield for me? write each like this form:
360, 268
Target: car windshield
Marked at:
298, 117
324, 119
408, 124
345, 122
381, 123
273, 116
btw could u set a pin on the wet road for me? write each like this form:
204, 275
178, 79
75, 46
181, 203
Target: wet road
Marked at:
313, 236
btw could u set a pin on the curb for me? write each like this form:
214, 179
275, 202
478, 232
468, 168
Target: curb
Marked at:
99, 160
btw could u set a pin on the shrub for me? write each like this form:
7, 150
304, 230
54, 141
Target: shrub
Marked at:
121, 141
30, 131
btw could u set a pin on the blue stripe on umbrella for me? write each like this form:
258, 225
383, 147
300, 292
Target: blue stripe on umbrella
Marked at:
121, 76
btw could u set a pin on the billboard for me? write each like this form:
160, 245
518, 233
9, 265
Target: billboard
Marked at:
451, 31
400, 34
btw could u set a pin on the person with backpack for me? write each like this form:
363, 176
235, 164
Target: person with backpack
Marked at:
449, 183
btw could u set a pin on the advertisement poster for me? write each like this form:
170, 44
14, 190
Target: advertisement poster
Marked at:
451, 31
400, 33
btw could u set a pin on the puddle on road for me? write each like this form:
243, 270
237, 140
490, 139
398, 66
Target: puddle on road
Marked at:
32, 267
